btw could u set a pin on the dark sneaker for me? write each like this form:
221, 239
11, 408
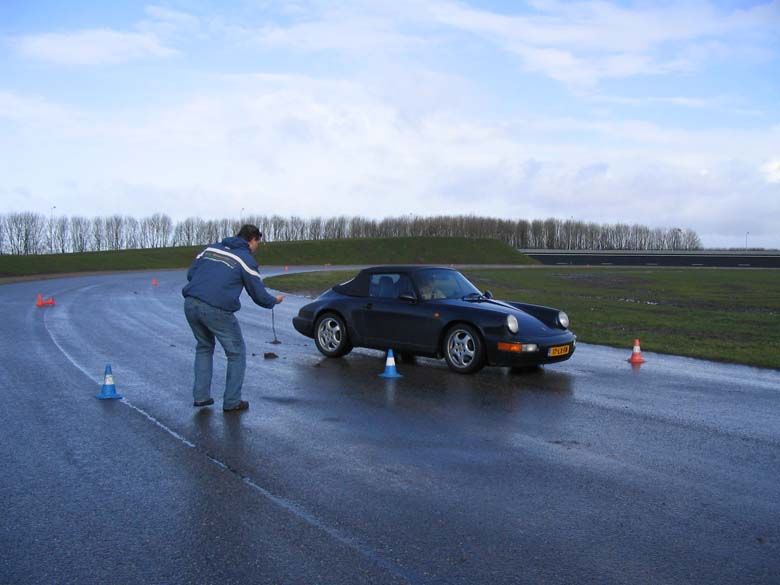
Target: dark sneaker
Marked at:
207, 402
243, 405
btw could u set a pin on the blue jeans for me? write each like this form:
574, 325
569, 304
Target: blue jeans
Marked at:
208, 323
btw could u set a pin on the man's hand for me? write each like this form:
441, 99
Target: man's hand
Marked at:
279, 299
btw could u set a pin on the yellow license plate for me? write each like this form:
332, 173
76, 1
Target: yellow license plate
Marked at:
559, 350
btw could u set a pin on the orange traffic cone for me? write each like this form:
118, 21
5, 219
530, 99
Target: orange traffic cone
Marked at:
286, 268
39, 302
49, 301
636, 354
154, 282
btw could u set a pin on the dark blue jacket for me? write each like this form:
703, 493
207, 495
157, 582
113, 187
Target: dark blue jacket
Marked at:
220, 272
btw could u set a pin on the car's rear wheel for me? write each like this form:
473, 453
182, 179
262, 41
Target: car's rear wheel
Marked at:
330, 335
463, 349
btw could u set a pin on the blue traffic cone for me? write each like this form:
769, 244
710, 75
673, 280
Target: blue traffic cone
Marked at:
109, 388
390, 371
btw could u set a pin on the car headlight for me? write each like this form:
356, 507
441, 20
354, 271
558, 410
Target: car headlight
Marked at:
563, 319
511, 324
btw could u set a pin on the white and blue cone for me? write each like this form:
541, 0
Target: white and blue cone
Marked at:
390, 369
109, 388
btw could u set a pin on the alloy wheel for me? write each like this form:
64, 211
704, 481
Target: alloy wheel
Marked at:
330, 334
461, 348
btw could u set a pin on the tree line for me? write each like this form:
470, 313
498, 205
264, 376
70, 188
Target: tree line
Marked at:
34, 233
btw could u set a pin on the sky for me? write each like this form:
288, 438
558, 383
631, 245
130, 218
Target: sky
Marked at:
665, 114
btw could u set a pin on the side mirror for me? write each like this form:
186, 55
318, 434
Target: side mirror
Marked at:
408, 296
487, 294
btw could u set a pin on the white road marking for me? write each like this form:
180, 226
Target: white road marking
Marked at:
283, 503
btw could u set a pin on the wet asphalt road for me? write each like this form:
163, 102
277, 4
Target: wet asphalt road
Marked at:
584, 472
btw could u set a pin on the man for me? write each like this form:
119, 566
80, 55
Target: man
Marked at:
216, 279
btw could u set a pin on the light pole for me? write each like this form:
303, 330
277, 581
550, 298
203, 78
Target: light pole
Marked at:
51, 229
746, 235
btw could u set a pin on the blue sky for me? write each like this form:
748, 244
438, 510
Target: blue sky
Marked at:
661, 113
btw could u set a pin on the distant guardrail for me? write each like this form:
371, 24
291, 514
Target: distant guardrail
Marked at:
704, 258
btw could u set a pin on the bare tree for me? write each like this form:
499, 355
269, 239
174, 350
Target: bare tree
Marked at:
61, 234
3, 235
186, 232
164, 230
207, 232
98, 229
226, 228
297, 228
115, 232
132, 233
79, 233
146, 233
15, 233
156, 231
25, 232
691, 240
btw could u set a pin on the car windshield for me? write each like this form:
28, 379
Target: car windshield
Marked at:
443, 284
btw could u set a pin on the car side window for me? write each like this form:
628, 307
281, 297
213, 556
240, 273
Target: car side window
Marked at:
389, 285
405, 286
437, 285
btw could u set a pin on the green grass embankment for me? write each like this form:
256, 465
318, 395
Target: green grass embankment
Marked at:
357, 251
729, 315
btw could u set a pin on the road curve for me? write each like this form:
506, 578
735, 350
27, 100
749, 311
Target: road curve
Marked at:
584, 472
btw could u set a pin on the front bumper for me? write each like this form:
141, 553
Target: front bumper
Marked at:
498, 357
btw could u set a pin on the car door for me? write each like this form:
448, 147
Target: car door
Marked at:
392, 322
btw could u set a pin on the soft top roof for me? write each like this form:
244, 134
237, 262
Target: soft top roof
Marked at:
358, 286
407, 268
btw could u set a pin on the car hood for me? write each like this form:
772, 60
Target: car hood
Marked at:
529, 324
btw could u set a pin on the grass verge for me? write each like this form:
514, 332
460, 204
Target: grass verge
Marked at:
358, 251
718, 314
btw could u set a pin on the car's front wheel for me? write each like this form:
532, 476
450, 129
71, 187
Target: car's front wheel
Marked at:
463, 349
330, 335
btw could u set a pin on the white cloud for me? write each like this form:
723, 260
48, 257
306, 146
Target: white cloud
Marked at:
404, 130
343, 33
104, 46
297, 145
92, 47
771, 171
39, 113
723, 104
166, 23
577, 43
582, 43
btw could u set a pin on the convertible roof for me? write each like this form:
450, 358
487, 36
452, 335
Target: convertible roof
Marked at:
358, 286
407, 268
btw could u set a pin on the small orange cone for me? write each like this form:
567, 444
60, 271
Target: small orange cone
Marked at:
49, 301
286, 268
636, 354
39, 302
154, 282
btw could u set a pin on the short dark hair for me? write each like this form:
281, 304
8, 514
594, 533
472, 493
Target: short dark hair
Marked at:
249, 232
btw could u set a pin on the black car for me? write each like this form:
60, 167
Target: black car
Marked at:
434, 312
